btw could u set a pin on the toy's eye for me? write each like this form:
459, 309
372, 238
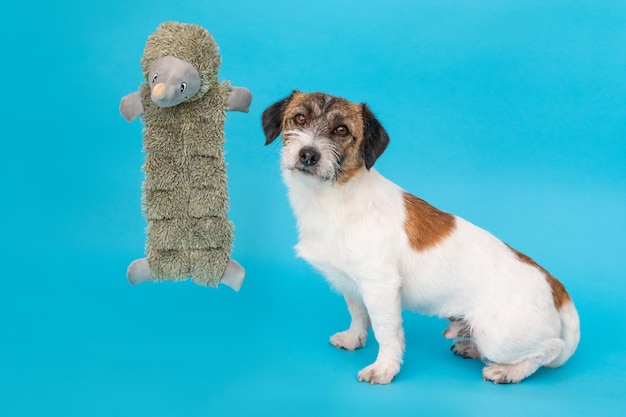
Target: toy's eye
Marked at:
183, 87
341, 130
299, 119
154, 77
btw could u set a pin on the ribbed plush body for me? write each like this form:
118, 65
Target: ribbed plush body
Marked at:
185, 194
185, 189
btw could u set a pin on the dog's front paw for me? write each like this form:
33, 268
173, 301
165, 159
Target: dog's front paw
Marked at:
379, 372
348, 340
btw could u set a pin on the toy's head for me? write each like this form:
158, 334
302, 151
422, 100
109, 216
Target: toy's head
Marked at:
180, 63
172, 81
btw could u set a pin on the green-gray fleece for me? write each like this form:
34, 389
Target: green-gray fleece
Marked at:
185, 194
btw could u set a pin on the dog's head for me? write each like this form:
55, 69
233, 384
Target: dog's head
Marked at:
324, 136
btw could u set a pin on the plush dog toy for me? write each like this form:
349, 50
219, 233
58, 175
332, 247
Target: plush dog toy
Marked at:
185, 193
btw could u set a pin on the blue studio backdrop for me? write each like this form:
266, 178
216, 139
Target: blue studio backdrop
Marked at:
511, 114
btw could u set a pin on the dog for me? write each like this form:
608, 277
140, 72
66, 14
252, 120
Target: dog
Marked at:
386, 250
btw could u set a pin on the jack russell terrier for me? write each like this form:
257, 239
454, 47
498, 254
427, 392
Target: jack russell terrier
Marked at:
385, 249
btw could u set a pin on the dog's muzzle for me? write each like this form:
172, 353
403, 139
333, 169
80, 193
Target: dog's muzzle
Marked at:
309, 156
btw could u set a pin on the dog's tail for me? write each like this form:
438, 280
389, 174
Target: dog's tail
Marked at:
570, 333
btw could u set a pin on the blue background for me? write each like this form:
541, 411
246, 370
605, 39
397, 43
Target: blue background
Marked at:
511, 114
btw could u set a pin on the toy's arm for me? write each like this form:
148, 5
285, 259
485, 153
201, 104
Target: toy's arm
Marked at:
131, 107
239, 99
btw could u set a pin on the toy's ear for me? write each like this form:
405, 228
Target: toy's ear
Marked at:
272, 119
375, 138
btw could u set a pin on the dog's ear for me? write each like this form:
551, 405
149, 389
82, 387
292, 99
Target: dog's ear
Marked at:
375, 138
272, 119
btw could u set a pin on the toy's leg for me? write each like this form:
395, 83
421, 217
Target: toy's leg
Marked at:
233, 276
138, 271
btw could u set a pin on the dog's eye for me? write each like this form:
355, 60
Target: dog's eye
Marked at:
183, 87
299, 119
341, 130
154, 77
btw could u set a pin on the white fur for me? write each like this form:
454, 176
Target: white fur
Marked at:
295, 140
354, 235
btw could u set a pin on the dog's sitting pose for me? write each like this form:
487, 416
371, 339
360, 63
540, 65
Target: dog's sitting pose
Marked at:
385, 250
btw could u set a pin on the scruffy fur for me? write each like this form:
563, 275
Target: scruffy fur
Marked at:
385, 249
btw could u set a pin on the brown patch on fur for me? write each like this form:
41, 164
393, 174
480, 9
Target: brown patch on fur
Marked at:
324, 113
425, 225
559, 293
347, 174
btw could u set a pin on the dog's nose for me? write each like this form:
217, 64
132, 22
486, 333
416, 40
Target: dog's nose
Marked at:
309, 156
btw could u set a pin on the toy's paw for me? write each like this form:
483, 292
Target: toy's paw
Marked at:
379, 372
131, 106
348, 340
138, 271
233, 276
239, 99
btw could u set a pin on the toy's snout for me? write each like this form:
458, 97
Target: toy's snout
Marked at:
159, 91
172, 81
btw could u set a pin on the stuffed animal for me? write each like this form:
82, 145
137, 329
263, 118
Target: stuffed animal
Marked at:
185, 195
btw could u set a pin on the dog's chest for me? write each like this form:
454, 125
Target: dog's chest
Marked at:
328, 233
346, 232
329, 247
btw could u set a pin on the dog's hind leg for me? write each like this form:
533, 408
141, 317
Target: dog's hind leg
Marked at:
465, 348
356, 335
458, 328
513, 373
463, 345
